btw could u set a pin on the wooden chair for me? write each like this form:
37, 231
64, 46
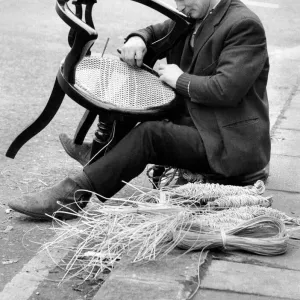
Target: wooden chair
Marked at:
76, 73
77, 77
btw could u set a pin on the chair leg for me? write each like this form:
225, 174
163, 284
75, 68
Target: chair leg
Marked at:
40, 123
83, 127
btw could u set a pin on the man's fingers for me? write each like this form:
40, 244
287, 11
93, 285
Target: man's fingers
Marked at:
139, 58
121, 56
161, 69
162, 66
129, 57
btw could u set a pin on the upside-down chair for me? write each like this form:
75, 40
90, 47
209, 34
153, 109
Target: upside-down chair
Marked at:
103, 85
106, 86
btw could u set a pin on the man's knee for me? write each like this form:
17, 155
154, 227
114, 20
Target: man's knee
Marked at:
149, 131
149, 139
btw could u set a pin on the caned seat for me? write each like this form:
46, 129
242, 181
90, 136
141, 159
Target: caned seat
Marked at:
126, 89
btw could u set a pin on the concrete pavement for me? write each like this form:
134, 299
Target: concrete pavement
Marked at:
230, 276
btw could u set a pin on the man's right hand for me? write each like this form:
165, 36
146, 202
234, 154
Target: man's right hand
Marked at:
133, 51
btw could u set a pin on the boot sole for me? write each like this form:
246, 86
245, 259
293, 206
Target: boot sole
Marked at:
30, 214
41, 216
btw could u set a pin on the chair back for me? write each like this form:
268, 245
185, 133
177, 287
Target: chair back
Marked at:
81, 36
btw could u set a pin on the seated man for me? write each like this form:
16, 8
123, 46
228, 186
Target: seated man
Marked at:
219, 71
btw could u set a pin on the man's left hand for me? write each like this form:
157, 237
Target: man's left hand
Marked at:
169, 74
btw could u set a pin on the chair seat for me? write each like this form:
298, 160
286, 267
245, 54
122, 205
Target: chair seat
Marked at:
111, 81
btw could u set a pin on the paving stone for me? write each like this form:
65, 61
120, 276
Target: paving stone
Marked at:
295, 103
204, 294
252, 279
284, 173
290, 119
286, 142
174, 278
285, 201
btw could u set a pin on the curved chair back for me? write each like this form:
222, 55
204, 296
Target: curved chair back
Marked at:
84, 36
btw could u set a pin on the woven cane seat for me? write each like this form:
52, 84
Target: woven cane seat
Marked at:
111, 81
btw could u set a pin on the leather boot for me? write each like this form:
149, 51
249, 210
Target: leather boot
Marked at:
62, 200
81, 153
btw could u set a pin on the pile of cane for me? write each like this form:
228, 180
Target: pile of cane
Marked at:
150, 224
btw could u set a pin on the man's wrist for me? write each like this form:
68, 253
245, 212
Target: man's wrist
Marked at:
136, 34
183, 84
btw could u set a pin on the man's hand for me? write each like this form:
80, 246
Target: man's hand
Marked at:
169, 74
133, 51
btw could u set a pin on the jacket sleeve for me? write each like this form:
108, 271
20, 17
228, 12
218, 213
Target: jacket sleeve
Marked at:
241, 61
153, 33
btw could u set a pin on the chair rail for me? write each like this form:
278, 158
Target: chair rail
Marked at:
158, 49
165, 9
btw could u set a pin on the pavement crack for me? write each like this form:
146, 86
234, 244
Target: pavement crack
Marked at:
286, 105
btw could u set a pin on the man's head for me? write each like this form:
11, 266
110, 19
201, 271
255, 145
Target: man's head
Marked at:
196, 9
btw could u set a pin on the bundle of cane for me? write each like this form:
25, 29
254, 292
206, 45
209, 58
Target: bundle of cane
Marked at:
243, 200
262, 235
203, 193
250, 212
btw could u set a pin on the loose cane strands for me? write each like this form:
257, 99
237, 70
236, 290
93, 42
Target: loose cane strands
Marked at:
112, 232
148, 231
150, 225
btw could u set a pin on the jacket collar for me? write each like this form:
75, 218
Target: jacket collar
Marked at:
207, 28
220, 10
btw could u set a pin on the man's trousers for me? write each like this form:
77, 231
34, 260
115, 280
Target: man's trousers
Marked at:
151, 142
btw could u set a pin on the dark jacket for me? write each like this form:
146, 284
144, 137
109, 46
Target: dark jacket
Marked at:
224, 86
